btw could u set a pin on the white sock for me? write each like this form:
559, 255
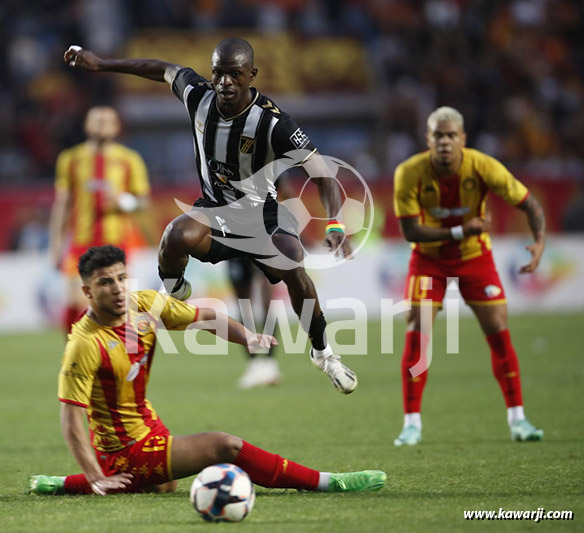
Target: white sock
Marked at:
323, 481
413, 419
514, 414
322, 353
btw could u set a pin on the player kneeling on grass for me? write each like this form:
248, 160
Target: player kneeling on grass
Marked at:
104, 374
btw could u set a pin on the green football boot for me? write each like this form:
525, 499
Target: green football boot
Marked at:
523, 431
367, 480
410, 436
46, 485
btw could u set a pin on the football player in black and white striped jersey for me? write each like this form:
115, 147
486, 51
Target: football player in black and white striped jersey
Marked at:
238, 132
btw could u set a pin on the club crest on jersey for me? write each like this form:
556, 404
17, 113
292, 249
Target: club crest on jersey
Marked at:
246, 145
141, 323
492, 291
469, 184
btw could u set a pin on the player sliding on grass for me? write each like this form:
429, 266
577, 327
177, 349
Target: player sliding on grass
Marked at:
103, 379
439, 198
238, 134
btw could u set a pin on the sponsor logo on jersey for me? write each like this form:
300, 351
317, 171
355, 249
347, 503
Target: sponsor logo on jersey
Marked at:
98, 185
221, 173
492, 291
218, 167
445, 212
135, 368
73, 373
271, 107
299, 139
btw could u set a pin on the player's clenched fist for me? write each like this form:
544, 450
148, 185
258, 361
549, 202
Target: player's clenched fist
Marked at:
338, 242
76, 57
477, 225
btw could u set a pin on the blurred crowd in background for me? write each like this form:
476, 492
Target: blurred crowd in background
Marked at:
515, 69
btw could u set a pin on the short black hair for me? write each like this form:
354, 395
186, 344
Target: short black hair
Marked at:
234, 46
99, 257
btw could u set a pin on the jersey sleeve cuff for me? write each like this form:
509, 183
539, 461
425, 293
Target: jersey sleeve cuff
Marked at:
408, 216
522, 199
312, 152
71, 402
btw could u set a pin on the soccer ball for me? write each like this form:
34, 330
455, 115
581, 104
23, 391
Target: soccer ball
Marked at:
222, 493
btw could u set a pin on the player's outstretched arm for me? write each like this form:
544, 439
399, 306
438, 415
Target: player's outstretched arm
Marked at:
78, 441
330, 196
536, 219
152, 69
225, 327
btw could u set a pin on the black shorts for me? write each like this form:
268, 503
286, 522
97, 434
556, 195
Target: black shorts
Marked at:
235, 223
241, 270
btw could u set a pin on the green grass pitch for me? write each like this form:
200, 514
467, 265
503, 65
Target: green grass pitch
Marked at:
466, 460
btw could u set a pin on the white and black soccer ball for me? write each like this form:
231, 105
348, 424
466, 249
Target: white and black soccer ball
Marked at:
222, 493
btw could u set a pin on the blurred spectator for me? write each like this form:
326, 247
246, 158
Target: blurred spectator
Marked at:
33, 234
515, 69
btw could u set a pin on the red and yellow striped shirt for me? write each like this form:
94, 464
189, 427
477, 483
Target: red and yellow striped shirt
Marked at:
90, 177
106, 370
447, 201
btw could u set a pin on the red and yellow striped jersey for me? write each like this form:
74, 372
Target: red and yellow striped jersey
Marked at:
91, 176
106, 370
448, 201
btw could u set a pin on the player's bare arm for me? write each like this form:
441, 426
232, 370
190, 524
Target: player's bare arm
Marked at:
78, 441
330, 196
233, 331
536, 219
413, 231
152, 69
58, 225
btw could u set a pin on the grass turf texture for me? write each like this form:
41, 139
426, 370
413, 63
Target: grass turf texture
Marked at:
466, 460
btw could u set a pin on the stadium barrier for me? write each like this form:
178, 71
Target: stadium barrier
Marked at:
31, 293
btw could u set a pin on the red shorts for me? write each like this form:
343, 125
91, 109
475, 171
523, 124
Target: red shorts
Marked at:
478, 279
147, 460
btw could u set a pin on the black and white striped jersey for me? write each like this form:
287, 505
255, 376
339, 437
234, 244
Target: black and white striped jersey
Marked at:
233, 149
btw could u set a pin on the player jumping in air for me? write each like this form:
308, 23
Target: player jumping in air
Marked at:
440, 200
237, 132
102, 379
